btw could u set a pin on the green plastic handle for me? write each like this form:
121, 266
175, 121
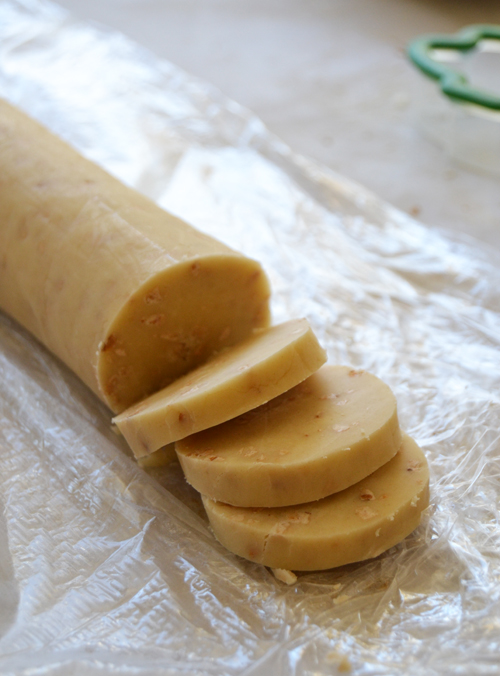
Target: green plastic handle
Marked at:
452, 83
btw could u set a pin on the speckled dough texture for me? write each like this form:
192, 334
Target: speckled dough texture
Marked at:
325, 434
356, 524
238, 379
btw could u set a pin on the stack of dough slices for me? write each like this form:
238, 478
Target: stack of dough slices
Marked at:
300, 465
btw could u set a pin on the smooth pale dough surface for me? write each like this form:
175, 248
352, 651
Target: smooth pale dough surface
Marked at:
239, 379
127, 295
325, 434
356, 524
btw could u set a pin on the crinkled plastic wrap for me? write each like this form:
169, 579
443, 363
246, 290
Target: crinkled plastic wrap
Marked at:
109, 569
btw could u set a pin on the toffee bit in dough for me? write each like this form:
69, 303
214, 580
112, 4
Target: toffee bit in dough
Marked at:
174, 337
111, 384
109, 343
153, 320
205, 452
280, 528
366, 513
367, 495
283, 575
153, 297
225, 334
249, 453
300, 517
413, 466
356, 372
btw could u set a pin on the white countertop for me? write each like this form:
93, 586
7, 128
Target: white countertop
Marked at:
331, 78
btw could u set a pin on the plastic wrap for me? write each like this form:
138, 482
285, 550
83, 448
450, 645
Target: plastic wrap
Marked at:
106, 568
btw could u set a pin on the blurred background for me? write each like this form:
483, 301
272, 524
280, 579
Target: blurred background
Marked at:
331, 78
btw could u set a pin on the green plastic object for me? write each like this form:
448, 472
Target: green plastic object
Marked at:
455, 84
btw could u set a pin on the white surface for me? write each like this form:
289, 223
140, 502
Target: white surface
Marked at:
329, 77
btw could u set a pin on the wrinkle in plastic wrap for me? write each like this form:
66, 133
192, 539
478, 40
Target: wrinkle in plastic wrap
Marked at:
106, 568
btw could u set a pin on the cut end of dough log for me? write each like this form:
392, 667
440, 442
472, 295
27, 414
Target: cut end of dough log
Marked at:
177, 321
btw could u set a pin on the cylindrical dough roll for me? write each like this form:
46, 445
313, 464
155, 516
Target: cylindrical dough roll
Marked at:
127, 295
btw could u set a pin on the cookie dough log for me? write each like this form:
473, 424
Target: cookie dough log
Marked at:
325, 434
356, 524
241, 378
127, 295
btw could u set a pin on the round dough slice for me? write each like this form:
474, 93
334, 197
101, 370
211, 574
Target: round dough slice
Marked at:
356, 524
327, 433
237, 380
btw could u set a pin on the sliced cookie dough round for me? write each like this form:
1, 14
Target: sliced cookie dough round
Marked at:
322, 436
356, 524
241, 378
